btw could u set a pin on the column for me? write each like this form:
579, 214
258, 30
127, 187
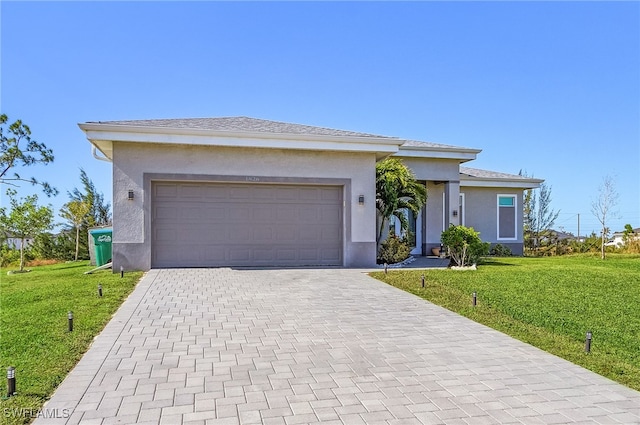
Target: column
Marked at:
451, 203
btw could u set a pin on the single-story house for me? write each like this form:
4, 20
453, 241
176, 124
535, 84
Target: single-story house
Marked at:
618, 238
15, 242
239, 191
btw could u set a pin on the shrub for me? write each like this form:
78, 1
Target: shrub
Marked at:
393, 250
9, 256
632, 246
500, 250
464, 245
54, 247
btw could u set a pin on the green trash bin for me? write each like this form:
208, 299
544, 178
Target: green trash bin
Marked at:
102, 243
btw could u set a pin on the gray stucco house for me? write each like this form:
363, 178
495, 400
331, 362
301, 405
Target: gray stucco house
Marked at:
239, 191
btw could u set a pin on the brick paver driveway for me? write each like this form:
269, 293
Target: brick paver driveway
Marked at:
221, 346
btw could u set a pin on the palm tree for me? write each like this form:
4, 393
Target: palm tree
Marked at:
76, 212
397, 190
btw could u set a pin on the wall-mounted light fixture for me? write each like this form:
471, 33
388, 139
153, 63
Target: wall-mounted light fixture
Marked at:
130, 195
455, 213
361, 199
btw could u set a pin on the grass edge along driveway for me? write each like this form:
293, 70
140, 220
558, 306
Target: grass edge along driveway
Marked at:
550, 303
34, 331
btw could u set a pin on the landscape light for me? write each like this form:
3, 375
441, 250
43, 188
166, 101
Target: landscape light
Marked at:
11, 381
70, 318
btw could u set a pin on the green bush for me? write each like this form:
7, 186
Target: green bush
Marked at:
54, 247
9, 256
393, 250
500, 250
464, 245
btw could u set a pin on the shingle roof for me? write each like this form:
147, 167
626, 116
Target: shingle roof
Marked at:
242, 124
486, 174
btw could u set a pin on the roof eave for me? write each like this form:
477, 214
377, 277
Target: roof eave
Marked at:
462, 154
130, 129
503, 183
103, 135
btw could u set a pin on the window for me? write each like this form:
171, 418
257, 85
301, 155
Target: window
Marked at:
507, 217
413, 221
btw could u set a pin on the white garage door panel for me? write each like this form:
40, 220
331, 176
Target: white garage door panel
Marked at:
232, 224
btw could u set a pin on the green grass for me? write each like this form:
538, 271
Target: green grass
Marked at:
550, 303
34, 336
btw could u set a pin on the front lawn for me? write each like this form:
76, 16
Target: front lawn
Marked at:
34, 334
549, 302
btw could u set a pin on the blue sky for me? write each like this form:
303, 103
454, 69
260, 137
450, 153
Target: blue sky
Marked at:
552, 88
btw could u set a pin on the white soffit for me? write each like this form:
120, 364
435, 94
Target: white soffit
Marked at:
515, 184
414, 149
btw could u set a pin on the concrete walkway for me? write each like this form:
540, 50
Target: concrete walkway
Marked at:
221, 346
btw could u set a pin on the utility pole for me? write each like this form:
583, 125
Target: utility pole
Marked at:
578, 226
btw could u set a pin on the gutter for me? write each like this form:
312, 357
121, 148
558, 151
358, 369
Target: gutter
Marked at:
94, 152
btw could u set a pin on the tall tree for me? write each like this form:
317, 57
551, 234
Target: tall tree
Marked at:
25, 219
99, 210
603, 208
17, 148
397, 190
538, 216
76, 212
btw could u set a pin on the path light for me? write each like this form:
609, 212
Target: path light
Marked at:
121, 271
587, 342
100, 290
423, 281
475, 298
11, 381
385, 268
70, 317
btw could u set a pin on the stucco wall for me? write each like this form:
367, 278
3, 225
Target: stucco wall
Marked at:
432, 168
433, 212
481, 211
131, 161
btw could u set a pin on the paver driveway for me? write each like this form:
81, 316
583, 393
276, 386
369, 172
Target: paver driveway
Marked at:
221, 346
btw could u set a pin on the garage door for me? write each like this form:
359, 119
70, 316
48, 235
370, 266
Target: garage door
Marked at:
235, 224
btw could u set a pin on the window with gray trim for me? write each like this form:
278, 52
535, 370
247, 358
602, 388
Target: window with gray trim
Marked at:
507, 217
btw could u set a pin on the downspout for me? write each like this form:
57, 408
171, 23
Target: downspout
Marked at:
94, 152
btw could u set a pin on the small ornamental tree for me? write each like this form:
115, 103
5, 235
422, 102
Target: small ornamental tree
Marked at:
76, 213
603, 208
464, 245
25, 219
397, 191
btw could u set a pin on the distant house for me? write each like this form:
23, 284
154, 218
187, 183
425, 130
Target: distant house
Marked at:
240, 191
15, 242
617, 239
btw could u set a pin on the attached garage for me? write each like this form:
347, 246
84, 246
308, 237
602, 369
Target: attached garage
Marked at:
240, 191
208, 224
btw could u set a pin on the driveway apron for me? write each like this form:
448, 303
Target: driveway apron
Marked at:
223, 346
